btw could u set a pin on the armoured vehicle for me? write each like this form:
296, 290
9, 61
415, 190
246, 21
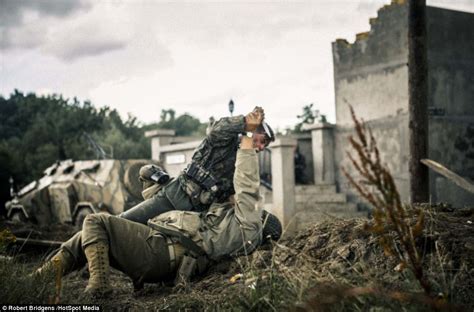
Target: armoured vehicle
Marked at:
69, 190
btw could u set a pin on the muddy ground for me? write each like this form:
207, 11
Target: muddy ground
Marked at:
305, 270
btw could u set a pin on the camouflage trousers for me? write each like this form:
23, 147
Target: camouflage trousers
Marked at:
135, 249
170, 197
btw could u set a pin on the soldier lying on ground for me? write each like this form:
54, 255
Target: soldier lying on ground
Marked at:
174, 241
209, 176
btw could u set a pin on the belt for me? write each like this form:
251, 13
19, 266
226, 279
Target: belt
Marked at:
176, 252
172, 253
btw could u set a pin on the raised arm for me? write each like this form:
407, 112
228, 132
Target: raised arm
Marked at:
226, 129
246, 185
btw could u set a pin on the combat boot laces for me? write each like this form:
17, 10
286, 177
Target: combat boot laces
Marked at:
98, 259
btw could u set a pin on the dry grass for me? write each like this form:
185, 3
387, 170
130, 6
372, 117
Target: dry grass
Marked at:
333, 266
417, 258
392, 221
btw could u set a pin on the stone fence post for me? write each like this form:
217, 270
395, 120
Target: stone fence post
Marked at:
283, 179
322, 135
159, 138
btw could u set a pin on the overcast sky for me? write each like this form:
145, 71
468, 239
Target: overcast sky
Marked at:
141, 56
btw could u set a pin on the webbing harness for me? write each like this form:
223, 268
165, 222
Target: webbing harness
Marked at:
194, 261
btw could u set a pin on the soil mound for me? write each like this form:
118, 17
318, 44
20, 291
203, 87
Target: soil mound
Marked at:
290, 273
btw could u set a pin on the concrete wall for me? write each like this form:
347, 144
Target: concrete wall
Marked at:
451, 97
391, 134
176, 157
452, 144
372, 75
451, 60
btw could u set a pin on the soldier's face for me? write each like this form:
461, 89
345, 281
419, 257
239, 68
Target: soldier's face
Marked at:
259, 142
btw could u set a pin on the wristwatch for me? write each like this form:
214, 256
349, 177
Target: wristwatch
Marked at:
249, 134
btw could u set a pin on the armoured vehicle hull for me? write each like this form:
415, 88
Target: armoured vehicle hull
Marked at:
69, 190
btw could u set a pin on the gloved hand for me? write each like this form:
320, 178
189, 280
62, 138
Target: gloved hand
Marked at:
254, 119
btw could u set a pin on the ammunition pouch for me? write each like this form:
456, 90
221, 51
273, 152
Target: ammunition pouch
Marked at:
202, 177
190, 266
200, 185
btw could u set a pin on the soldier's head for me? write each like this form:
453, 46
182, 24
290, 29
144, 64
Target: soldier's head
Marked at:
263, 136
272, 229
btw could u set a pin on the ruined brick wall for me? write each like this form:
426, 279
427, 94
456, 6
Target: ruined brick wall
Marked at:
371, 74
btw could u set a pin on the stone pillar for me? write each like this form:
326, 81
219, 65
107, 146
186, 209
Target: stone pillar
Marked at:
322, 135
159, 138
283, 179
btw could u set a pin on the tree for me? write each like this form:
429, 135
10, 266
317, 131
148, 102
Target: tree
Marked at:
309, 116
183, 125
36, 131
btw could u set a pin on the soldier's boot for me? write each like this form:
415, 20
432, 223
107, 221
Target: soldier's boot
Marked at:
61, 263
97, 255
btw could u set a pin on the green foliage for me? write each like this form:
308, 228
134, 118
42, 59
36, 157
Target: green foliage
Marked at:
184, 125
308, 116
37, 131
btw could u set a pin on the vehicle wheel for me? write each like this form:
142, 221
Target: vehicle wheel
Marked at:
131, 181
80, 216
18, 216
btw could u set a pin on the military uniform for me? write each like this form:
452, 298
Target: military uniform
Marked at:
147, 255
207, 179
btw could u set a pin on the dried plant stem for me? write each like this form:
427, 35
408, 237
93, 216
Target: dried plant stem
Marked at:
391, 221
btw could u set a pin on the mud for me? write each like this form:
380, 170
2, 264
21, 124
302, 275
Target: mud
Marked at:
338, 251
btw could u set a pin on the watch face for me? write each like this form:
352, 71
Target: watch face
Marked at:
249, 134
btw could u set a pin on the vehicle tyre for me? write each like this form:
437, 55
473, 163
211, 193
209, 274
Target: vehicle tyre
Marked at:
18, 216
131, 181
81, 215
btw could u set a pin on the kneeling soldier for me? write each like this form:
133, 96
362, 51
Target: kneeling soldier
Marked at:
176, 243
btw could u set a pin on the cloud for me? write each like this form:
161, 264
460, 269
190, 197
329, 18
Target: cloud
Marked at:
88, 48
12, 12
84, 39
53, 28
458, 5
371, 6
24, 23
22, 38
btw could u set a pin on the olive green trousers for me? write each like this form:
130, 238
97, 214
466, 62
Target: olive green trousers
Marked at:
170, 197
135, 249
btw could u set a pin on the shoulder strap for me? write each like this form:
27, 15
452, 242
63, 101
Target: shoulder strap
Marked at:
184, 240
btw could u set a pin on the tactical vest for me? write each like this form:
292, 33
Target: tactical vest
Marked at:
209, 176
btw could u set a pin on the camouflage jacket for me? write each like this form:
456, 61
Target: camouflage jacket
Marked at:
226, 229
217, 154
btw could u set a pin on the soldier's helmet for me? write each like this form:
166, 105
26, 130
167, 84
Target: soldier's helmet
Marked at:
272, 228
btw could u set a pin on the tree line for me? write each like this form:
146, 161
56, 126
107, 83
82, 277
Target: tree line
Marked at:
36, 131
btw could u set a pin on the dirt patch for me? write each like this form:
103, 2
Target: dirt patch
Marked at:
287, 274
53, 232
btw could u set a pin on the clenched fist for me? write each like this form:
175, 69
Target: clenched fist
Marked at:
254, 119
